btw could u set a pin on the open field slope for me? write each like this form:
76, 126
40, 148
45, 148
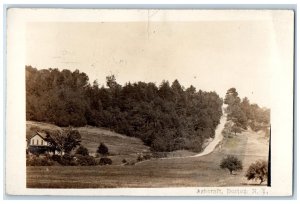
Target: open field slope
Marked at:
120, 146
178, 172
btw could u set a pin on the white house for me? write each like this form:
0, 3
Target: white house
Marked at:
38, 139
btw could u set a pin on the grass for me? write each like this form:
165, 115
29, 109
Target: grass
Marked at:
179, 172
120, 146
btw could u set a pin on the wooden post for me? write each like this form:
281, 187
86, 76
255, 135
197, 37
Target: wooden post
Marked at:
269, 161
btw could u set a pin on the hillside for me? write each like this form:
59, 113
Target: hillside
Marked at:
165, 116
201, 171
120, 146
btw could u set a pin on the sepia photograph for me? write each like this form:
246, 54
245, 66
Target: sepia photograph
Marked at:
150, 99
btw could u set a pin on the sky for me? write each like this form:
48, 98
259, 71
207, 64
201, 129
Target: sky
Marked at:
210, 55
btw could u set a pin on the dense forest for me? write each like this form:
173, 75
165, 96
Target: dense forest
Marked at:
244, 114
166, 117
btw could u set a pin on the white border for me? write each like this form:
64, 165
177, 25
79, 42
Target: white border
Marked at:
15, 166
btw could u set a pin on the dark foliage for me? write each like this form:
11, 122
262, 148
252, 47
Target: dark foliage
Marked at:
38, 161
105, 161
258, 171
67, 160
232, 163
56, 158
63, 141
166, 118
102, 149
37, 150
85, 160
244, 114
82, 151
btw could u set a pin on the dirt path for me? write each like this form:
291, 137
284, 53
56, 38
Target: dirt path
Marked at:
217, 139
210, 147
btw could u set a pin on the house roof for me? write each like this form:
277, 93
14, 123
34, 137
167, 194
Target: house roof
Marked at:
43, 135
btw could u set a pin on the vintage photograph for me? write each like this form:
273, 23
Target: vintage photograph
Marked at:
165, 100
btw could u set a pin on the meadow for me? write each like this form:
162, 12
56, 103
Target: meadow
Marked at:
202, 171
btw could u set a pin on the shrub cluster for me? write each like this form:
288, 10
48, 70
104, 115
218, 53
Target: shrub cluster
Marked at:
38, 161
85, 160
65, 160
105, 161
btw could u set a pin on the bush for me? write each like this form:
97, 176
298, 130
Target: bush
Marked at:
56, 158
236, 129
82, 151
124, 161
105, 161
102, 149
85, 160
38, 150
232, 163
67, 160
38, 161
258, 171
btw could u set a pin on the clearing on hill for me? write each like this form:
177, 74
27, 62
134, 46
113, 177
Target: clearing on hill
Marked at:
120, 146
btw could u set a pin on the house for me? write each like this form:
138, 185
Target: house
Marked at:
38, 139
37, 143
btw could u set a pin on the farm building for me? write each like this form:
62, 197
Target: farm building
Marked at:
37, 143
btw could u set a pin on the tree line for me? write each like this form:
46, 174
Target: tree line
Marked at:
245, 114
166, 117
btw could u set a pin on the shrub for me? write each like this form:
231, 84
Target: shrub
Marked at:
124, 161
82, 151
38, 161
37, 150
258, 171
85, 160
56, 158
232, 163
105, 161
236, 129
67, 160
102, 149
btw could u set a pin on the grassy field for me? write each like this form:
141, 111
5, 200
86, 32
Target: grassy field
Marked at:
120, 146
176, 172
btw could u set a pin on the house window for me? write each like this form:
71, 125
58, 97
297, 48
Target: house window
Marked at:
37, 142
32, 141
42, 142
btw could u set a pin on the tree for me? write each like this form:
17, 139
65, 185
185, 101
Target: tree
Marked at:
166, 117
258, 171
232, 163
102, 149
64, 141
232, 97
82, 151
236, 129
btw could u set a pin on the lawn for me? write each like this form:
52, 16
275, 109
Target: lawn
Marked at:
176, 172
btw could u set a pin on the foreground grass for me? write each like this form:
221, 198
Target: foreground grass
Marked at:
180, 172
